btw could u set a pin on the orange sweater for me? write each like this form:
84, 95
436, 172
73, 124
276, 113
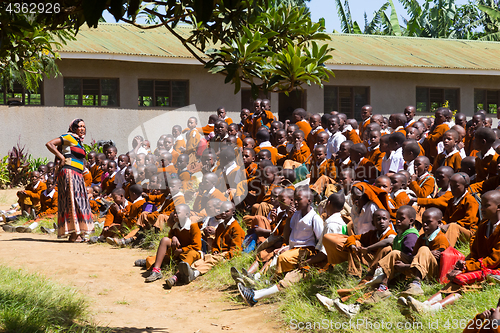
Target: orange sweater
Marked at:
192, 141
327, 167
363, 126
375, 156
87, 177
300, 156
178, 144
430, 143
96, 173
117, 217
201, 200
439, 202
312, 138
438, 243
49, 205
463, 213
486, 167
365, 170
251, 170
135, 211
352, 135
489, 184
401, 199
424, 187
228, 239
454, 161
368, 238
485, 248
304, 126
272, 150
189, 239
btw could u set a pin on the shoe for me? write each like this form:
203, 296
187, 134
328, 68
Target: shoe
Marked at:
140, 263
418, 306
54, 225
49, 231
154, 276
378, 296
8, 228
115, 241
248, 282
245, 273
348, 310
493, 278
186, 271
247, 294
403, 302
236, 275
169, 283
414, 289
325, 301
22, 229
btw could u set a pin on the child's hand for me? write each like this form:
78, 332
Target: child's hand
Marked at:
363, 250
412, 201
175, 242
400, 266
354, 249
460, 265
453, 273
210, 230
436, 254
414, 178
177, 252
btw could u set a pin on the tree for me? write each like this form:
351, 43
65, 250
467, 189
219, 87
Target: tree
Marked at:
491, 19
272, 48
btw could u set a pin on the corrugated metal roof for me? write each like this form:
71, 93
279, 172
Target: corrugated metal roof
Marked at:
357, 50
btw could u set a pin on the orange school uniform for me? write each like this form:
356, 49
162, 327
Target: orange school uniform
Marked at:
312, 138
423, 186
486, 166
463, 212
375, 156
452, 160
228, 239
430, 143
304, 126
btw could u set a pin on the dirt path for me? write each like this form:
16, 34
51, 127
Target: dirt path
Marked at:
117, 292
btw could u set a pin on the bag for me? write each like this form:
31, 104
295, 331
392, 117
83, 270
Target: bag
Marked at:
475, 276
449, 258
301, 173
249, 243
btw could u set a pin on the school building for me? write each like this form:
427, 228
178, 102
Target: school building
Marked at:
124, 81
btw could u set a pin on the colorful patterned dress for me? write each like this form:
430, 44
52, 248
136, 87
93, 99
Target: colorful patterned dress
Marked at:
74, 214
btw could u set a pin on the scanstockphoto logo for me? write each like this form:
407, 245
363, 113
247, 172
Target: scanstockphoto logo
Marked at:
173, 145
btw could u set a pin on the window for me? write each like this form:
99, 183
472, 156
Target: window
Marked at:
429, 99
90, 92
488, 100
20, 96
163, 93
347, 100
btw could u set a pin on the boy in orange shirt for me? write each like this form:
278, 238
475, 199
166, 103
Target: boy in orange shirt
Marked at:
450, 155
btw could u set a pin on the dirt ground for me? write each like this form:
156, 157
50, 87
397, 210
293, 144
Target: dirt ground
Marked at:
116, 291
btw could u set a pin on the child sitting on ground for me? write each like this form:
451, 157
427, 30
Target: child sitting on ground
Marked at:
29, 198
183, 244
398, 194
208, 225
113, 224
486, 159
411, 151
322, 172
461, 215
227, 244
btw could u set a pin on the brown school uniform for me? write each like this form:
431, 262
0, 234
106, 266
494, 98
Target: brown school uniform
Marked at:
352, 135
32, 196
410, 124
48, 204
108, 185
369, 238
228, 240
282, 148
87, 177
325, 168
430, 143
190, 240
201, 200
423, 187
365, 170
421, 258
312, 138
230, 180
115, 219
185, 177
94, 206
206, 130
251, 170
135, 211
375, 156
363, 126
486, 167
300, 156
159, 218
422, 150
462, 218
96, 173
401, 199
489, 184
264, 223
485, 248
272, 150
439, 202
170, 169
258, 121
304, 126
178, 144
193, 140
453, 161
401, 129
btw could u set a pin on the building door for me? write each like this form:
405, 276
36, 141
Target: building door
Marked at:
296, 99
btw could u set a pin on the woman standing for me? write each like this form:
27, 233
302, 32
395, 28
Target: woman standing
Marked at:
74, 214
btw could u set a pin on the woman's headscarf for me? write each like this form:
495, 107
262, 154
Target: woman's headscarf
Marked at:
73, 126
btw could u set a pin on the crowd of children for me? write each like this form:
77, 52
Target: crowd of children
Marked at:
388, 196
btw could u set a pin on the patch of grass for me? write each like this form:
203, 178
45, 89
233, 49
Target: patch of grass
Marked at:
124, 302
31, 303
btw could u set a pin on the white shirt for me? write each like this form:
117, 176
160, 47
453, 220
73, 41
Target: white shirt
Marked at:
362, 222
333, 144
410, 167
51, 194
210, 221
183, 226
333, 225
120, 178
386, 162
397, 162
306, 230
265, 144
